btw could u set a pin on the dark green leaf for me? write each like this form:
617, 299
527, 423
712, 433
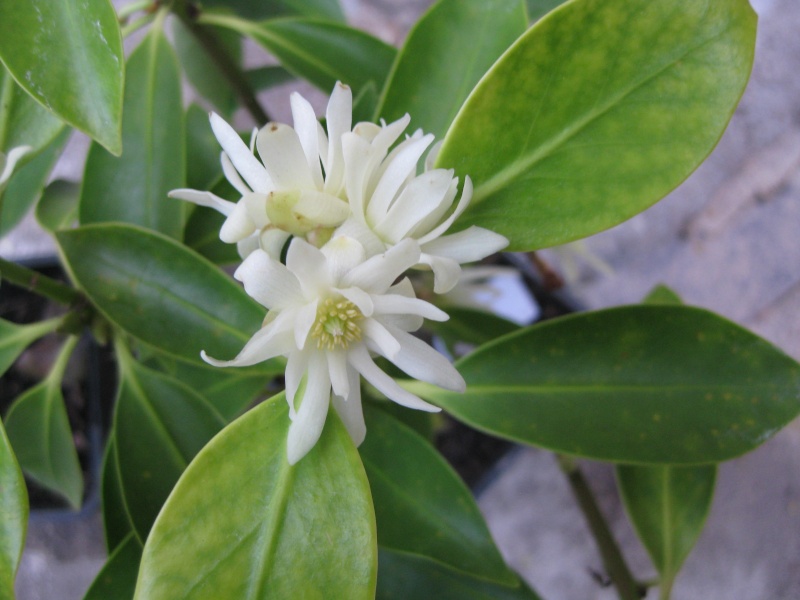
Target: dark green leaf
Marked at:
116, 520
38, 428
403, 576
539, 8
160, 291
15, 338
58, 206
68, 55
471, 326
133, 188
264, 78
23, 121
661, 294
159, 426
27, 183
668, 506
597, 112
117, 579
319, 51
444, 57
261, 9
242, 523
13, 515
202, 236
203, 168
637, 384
421, 506
202, 72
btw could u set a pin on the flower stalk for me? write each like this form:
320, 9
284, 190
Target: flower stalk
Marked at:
38, 284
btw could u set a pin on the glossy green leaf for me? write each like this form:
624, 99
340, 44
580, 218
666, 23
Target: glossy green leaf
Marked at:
636, 384
117, 579
23, 121
160, 424
201, 70
159, 291
263, 78
471, 326
58, 206
15, 338
661, 294
242, 523
116, 521
133, 188
38, 428
68, 55
597, 112
27, 183
444, 57
320, 51
261, 9
403, 576
203, 167
539, 8
13, 516
202, 236
668, 507
421, 505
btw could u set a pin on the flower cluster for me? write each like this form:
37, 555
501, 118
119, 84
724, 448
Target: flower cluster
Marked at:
357, 216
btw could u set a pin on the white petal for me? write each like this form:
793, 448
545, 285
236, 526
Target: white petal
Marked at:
361, 361
420, 361
309, 266
366, 237
204, 199
337, 369
359, 297
296, 367
395, 304
246, 246
445, 272
321, 208
310, 419
465, 246
404, 164
237, 226
272, 241
436, 216
304, 321
269, 282
256, 205
433, 154
379, 338
350, 410
419, 198
232, 175
242, 158
343, 253
305, 124
268, 342
339, 120
376, 274
356, 152
406, 322
463, 203
280, 149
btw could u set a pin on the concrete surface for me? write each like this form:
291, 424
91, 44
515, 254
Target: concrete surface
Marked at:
727, 239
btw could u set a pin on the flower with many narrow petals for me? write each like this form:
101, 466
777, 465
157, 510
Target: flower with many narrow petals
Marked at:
297, 186
330, 311
390, 202
9, 161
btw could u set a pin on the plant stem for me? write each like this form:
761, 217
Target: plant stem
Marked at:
612, 557
142, 5
38, 283
136, 25
188, 13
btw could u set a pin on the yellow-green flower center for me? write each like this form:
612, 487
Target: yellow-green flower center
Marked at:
337, 324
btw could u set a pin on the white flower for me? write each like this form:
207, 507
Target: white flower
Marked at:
330, 310
9, 161
390, 202
286, 191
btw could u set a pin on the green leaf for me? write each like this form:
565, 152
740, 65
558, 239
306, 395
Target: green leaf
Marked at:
116, 521
242, 523
471, 326
263, 78
159, 426
117, 579
261, 9
444, 57
202, 236
27, 183
403, 576
38, 428
636, 384
159, 291
68, 56
13, 516
203, 168
421, 506
133, 188
23, 121
668, 506
539, 8
15, 338
202, 72
661, 294
58, 206
319, 51
597, 112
